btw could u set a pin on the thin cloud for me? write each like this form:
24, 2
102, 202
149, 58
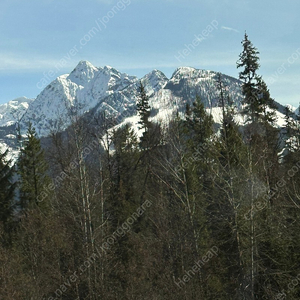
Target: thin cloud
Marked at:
11, 62
229, 28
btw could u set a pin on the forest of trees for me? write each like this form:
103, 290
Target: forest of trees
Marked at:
186, 211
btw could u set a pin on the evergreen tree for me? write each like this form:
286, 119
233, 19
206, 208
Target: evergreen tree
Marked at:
249, 60
149, 142
144, 110
32, 169
124, 175
151, 137
262, 164
226, 218
198, 133
7, 188
143, 107
266, 103
199, 125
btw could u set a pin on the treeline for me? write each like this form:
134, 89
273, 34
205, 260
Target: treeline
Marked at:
183, 212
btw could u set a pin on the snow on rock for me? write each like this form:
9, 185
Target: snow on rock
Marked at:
82, 89
154, 82
83, 73
13, 110
92, 90
12, 153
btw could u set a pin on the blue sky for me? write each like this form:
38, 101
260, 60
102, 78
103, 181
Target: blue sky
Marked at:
42, 39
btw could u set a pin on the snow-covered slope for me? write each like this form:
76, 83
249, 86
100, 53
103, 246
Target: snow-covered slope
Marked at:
90, 90
13, 110
82, 89
188, 82
100, 89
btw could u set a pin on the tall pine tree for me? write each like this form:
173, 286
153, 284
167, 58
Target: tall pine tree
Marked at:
249, 61
32, 169
144, 111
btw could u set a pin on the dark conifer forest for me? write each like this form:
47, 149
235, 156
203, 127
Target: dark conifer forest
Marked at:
185, 211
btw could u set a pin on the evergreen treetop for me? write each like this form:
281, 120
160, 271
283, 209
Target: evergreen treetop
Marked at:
143, 108
249, 61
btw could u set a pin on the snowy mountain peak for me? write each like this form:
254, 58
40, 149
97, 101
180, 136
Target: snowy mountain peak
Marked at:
181, 71
84, 88
157, 74
93, 90
83, 73
154, 81
188, 72
85, 65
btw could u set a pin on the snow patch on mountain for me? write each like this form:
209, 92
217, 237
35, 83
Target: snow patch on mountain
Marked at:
13, 110
81, 90
83, 73
12, 153
92, 90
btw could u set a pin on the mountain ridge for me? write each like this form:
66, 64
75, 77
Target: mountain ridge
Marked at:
92, 90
